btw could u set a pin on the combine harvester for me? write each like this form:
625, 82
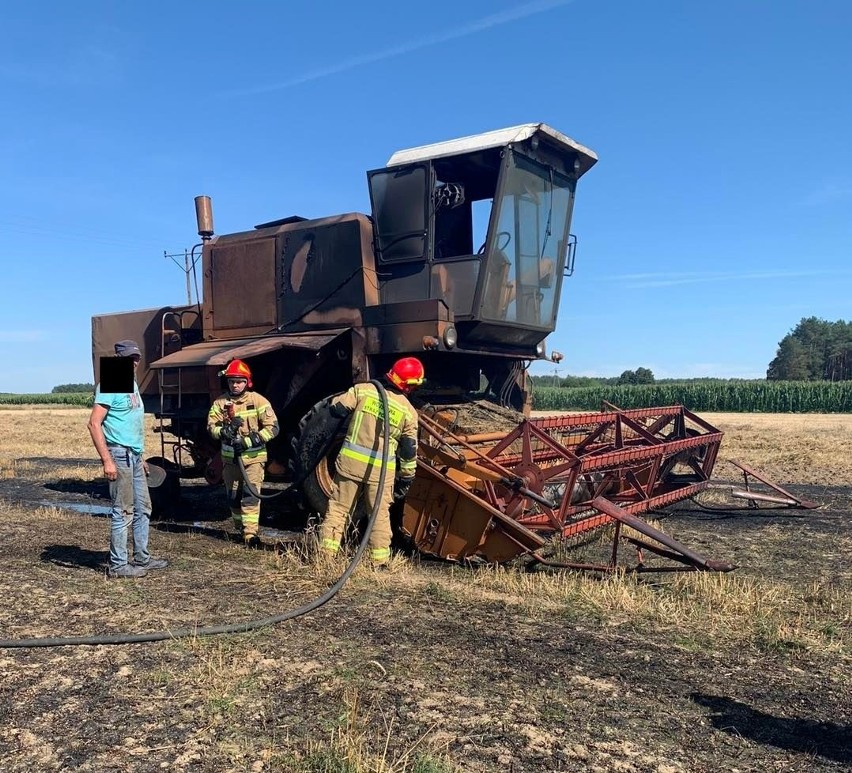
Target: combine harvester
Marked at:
461, 263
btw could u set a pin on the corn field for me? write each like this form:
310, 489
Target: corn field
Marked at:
735, 397
80, 399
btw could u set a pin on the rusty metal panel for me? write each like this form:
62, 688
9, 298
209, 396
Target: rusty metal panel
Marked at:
445, 519
324, 272
143, 326
242, 282
222, 352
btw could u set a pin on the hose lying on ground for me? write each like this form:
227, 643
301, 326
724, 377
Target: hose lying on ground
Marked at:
248, 625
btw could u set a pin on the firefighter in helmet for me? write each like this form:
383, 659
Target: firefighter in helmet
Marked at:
244, 422
359, 462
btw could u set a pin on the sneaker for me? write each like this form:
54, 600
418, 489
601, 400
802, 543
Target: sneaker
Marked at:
128, 571
153, 563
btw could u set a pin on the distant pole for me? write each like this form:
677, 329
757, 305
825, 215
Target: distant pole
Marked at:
186, 268
187, 264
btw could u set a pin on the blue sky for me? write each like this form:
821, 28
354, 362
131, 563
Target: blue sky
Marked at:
719, 215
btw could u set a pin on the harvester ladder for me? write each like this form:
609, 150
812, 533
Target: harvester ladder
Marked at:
169, 380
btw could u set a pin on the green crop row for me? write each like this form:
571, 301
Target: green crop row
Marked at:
733, 397
82, 399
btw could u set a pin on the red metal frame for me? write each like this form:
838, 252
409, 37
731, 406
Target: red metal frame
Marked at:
783, 497
570, 475
639, 459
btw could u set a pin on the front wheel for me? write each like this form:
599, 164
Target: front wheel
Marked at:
314, 450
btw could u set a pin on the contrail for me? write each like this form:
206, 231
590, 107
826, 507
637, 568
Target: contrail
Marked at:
647, 281
479, 25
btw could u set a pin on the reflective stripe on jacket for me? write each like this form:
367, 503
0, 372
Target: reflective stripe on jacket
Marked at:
360, 457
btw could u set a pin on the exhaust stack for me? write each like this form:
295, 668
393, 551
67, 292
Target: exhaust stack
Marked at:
204, 217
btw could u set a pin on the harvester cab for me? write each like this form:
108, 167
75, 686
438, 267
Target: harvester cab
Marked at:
483, 225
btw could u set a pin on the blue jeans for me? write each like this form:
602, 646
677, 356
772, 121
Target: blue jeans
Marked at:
131, 503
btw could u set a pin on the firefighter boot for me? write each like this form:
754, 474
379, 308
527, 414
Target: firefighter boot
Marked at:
380, 558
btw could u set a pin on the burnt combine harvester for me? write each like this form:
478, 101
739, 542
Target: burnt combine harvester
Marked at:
461, 264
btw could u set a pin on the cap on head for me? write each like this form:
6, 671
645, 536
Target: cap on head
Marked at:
237, 369
407, 374
127, 348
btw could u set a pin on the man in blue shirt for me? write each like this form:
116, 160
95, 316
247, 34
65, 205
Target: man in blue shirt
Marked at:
117, 427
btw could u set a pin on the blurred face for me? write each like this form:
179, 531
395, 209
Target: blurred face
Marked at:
236, 386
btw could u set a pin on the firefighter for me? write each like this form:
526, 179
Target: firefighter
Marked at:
359, 462
244, 422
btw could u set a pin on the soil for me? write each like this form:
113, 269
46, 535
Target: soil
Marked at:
395, 665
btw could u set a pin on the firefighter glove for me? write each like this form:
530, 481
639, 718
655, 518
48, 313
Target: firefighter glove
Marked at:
228, 433
239, 443
400, 487
255, 440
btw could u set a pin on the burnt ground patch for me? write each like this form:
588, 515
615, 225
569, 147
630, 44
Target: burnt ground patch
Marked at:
415, 661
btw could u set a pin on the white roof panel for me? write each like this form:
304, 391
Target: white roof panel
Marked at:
493, 139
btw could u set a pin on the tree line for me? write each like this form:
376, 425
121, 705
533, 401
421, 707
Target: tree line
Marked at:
638, 376
814, 350
63, 389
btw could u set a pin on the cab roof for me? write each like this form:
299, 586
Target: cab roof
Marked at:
495, 139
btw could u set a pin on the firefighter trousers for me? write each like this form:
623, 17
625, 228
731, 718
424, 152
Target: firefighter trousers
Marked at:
245, 507
346, 494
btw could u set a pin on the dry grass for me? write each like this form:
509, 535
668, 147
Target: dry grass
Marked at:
57, 433
349, 746
716, 609
791, 448
38, 432
348, 672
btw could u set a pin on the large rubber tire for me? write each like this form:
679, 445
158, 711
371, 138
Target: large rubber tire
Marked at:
314, 450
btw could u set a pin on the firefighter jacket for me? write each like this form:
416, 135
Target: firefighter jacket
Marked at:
257, 415
360, 457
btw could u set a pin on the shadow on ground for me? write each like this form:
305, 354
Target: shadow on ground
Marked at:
87, 488
825, 739
73, 556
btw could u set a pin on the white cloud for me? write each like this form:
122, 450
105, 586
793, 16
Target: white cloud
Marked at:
471, 28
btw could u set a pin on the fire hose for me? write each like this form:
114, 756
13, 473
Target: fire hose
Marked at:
248, 625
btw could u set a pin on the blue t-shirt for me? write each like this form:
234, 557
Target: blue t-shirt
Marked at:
124, 424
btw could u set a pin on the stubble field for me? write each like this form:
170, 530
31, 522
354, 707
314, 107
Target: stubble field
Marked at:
430, 668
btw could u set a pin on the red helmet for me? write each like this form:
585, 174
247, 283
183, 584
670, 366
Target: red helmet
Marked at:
237, 369
407, 374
